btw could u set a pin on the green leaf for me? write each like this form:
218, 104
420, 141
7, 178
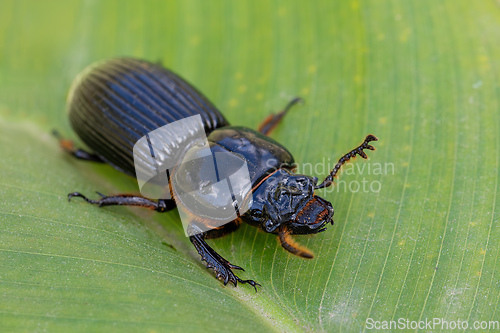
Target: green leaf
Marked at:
418, 241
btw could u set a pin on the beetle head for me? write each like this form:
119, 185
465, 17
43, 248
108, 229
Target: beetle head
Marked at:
286, 201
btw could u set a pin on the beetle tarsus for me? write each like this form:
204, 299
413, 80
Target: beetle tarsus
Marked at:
221, 266
79, 195
250, 282
274, 119
356, 151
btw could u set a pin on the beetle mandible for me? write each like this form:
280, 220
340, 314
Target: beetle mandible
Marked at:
113, 103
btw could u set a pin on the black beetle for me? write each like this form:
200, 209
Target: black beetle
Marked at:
114, 103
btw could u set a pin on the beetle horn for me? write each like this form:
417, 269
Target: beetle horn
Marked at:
291, 246
356, 151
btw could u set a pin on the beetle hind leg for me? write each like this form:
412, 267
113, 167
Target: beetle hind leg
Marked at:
69, 147
221, 266
268, 125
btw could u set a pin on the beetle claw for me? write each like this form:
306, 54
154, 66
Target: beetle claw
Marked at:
79, 195
250, 282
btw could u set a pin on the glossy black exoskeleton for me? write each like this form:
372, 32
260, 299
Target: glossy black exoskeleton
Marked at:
114, 103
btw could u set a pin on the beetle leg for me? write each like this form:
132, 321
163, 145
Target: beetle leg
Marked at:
356, 151
69, 147
161, 206
289, 244
223, 230
221, 266
267, 126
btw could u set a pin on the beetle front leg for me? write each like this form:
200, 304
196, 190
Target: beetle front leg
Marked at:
161, 206
268, 125
221, 266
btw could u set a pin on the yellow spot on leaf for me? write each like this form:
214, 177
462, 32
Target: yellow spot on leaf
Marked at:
484, 62
233, 102
259, 96
371, 215
311, 69
402, 242
404, 35
472, 224
242, 89
483, 252
195, 40
305, 91
380, 36
382, 120
238, 76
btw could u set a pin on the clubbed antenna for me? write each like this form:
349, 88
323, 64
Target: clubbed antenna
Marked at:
358, 150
